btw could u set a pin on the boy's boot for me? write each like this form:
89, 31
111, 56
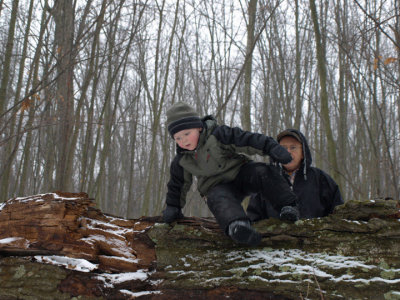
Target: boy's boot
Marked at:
242, 232
289, 213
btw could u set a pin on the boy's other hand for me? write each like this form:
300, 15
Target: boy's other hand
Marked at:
280, 154
171, 213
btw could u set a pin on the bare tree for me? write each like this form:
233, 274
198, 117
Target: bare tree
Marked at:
324, 94
246, 103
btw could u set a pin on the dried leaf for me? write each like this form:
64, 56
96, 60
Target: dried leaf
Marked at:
390, 60
25, 105
36, 96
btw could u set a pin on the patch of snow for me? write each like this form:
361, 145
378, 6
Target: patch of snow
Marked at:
375, 279
77, 264
138, 294
98, 222
10, 240
270, 265
185, 263
36, 198
120, 247
129, 260
58, 197
112, 228
111, 279
156, 282
2, 206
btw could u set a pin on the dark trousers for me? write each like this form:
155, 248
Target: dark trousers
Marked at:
224, 199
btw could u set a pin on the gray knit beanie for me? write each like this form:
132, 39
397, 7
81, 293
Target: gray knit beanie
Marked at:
182, 116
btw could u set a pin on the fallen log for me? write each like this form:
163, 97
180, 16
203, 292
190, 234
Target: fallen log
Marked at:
59, 245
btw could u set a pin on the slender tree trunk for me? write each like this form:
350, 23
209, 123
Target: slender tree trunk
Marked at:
375, 165
89, 152
7, 59
324, 95
33, 75
135, 119
158, 102
64, 39
85, 86
397, 35
246, 105
10, 151
341, 18
299, 101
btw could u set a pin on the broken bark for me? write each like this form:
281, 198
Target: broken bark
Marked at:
58, 246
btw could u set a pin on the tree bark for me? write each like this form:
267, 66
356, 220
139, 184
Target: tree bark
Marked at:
11, 147
299, 101
246, 104
64, 40
158, 101
7, 60
325, 114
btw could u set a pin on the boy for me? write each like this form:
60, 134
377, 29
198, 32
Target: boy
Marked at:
317, 192
213, 154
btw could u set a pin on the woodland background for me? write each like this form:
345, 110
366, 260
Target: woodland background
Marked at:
85, 86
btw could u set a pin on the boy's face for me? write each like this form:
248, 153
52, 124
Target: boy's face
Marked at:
188, 138
296, 151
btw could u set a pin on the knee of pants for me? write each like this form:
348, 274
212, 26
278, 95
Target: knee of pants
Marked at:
263, 170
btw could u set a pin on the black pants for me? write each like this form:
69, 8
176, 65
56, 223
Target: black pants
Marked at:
224, 199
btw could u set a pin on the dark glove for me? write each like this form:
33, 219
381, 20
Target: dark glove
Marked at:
171, 213
280, 154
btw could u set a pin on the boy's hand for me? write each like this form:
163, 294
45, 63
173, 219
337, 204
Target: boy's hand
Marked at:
280, 154
171, 213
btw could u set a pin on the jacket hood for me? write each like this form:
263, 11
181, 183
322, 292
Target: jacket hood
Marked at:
307, 160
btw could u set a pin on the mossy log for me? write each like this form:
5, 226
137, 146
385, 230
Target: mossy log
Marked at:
58, 246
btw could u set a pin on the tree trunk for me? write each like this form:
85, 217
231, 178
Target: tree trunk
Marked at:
158, 102
7, 60
105, 257
246, 104
341, 19
90, 74
64, 39
299, 102
325, 115
33, 75
11, 147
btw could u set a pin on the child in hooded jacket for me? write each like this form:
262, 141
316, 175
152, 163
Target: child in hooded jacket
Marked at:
215, 154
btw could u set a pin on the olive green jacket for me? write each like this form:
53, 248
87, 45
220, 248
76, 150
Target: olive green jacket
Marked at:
220, 153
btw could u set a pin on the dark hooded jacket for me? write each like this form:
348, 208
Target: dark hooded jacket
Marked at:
317, 192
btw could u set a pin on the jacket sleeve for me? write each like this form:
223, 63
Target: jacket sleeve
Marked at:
178, 185
244, 141
330, 193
